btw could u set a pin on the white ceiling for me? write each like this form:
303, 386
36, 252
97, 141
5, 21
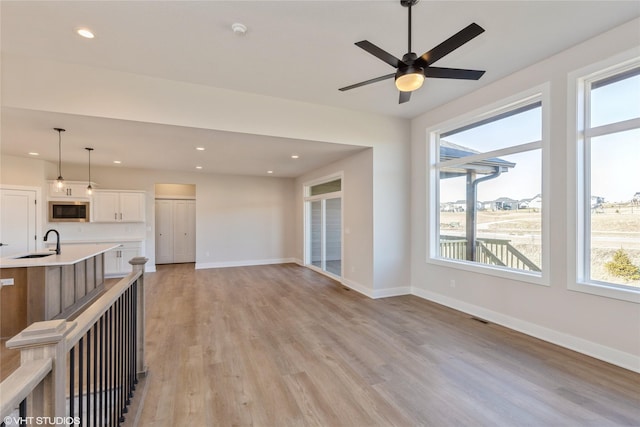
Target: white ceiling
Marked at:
299, 50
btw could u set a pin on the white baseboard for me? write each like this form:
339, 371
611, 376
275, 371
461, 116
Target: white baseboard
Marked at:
357, 287
391, 292
607, 354
243, 263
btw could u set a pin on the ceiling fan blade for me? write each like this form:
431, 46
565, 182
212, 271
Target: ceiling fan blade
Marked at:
452, 73
366, 82
404, 97
380, 54
449, 45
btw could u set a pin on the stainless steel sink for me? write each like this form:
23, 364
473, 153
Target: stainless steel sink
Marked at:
35, 255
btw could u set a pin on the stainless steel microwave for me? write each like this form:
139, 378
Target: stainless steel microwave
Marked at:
69, 211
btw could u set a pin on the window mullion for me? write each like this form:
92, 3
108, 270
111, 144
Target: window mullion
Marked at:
610, 128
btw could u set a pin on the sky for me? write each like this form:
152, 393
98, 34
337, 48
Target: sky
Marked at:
615, 158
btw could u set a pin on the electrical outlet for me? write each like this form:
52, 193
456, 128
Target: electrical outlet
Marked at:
6, 282
452, 283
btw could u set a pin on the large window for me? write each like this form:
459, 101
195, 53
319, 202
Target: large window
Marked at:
608, 247
487, 207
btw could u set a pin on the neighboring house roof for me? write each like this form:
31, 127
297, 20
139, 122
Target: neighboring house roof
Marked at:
505, 200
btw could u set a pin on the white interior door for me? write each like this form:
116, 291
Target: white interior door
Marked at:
184, 226
17, 221
175, 231
164, 231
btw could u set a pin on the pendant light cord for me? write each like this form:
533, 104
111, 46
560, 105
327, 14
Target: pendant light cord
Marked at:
60, 130
59, 153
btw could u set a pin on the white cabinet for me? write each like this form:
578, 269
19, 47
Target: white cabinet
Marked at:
118, 206
175, 231
116, 261
70, 190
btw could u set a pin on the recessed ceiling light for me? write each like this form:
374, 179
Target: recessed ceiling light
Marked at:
269, 171
85, 32
33, 153
198, 167
295, 156
117, 162
200, 148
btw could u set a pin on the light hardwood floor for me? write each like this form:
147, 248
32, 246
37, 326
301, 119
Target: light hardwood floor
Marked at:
282, 345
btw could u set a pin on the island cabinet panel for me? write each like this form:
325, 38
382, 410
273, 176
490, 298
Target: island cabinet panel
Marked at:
36, 280
90, 275
99, 269
13, 302
53, 292
80, 279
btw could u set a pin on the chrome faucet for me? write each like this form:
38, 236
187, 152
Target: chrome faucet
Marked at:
57, 239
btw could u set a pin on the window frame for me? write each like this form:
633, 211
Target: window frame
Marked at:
540, 93
579, 136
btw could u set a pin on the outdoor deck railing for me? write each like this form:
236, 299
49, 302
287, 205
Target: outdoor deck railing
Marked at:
80, 372
488, 251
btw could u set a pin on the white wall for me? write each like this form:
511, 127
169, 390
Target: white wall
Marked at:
178, 191
239, 220
603, 327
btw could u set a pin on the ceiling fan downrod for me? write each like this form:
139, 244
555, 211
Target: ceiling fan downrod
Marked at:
408, 4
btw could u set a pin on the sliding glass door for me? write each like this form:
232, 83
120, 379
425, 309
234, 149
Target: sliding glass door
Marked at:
324, 227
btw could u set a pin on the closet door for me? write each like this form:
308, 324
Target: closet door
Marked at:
184, 228
164, 231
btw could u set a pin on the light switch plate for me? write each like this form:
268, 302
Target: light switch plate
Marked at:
6, 282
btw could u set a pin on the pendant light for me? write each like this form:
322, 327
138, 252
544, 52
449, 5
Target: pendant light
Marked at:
60, 180
89, 187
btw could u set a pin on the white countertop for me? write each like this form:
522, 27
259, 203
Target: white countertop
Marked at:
69, 254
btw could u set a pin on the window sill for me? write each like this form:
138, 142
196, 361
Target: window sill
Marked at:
505, 273
608, 291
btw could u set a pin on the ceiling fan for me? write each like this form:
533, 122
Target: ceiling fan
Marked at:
412, 70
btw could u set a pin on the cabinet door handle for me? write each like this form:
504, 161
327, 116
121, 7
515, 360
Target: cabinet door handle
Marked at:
120, 216
115, 215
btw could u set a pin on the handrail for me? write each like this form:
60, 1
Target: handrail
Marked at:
39, 385
483, 244
490, 255
522, 257
88, 318
17, 386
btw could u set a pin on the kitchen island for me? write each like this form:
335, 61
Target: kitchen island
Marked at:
49, 287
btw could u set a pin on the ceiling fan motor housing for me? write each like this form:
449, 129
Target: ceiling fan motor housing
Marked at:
407, 3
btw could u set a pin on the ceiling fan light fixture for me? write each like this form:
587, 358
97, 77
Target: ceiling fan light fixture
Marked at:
409, 79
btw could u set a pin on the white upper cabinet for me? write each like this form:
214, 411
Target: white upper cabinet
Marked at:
70, 190
118, 206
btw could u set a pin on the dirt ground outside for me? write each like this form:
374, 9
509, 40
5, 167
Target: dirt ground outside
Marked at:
613, 227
